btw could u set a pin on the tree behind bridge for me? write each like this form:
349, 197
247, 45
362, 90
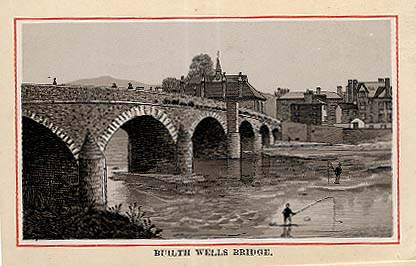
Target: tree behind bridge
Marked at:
201, 63
170, 84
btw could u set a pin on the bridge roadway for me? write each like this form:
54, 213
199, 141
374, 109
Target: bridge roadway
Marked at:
66, 129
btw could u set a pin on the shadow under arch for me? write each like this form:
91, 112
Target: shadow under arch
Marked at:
209, 139
265, 135
49, 169
144, 144
212, 115
277, 135
56, 130
137, 111
247, 136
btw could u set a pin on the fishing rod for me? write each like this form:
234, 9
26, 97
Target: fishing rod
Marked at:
311, 204
316, 202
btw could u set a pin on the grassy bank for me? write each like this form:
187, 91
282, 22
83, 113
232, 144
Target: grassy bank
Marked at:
88, 223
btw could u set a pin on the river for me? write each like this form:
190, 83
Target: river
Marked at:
245, 198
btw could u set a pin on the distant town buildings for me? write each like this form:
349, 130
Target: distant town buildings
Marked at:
373, 100
361, 105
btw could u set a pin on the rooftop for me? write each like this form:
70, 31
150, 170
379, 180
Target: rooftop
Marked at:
300, 95
374, 88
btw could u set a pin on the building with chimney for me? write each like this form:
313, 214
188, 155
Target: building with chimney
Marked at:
309, 107
373, 103
219, 85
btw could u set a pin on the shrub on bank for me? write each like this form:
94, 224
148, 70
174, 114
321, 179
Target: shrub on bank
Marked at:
88, 223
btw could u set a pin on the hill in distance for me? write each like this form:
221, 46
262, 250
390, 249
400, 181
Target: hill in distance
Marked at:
107, 81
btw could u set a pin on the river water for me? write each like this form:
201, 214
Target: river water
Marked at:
245, 198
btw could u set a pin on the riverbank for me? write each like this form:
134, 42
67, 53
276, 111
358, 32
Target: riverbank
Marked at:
79, 223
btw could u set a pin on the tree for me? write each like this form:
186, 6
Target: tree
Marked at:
201, 63
171, 84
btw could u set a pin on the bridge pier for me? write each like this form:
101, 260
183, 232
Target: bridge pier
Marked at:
92, 174
271, 141
257, 142
184, 156
233, 145
233, 135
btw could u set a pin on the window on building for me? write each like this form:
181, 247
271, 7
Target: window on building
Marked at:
388, 105
363, 116
355, 125
381, 106
363, 105
380, 118
389, 118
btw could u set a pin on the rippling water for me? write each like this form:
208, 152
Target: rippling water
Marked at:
233, 198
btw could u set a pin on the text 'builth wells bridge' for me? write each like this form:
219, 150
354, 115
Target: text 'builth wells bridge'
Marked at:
66, 129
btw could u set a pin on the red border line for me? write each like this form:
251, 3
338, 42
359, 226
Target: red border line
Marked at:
398, 127
16, 129
217, 244
16, 109
202, 17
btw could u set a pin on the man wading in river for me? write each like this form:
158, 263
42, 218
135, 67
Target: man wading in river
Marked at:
338, 171
287, 214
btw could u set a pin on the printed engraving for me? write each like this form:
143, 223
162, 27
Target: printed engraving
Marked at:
207, 129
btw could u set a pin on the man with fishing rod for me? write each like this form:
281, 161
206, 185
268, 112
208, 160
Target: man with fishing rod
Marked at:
337, 170
288, 213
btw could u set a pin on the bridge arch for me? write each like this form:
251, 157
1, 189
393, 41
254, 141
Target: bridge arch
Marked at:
247, 135
145, 140
209, 139
49, 168
59, 132
201, 117
277, 134
137, 111
265, 135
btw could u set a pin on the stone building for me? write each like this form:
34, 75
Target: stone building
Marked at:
219, 85
306, 113
298, 106
345, 113
373, 101
270, 104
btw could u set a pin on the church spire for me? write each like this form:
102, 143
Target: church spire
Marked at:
218, 68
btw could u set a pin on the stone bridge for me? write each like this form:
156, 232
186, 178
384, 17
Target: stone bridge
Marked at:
66, 129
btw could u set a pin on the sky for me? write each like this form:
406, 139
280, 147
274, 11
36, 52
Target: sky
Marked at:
294, 54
